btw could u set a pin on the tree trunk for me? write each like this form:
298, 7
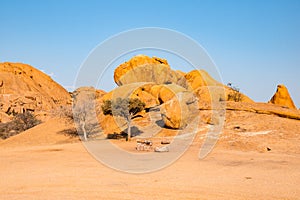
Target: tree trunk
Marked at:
129, 127
84, 131
129, 130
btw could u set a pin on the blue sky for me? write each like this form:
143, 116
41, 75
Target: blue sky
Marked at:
255, 44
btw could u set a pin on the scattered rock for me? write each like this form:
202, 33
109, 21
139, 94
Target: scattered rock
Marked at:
162, 149
165, 141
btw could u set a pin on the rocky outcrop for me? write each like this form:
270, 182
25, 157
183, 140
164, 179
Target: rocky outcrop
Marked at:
110, 124
282, 97
264, 108
87, 93
180, 96
161, 86
164, 93
200, 78
5, 117
205, 87
151, 94
209, 97
178, 105
139, 91
149, 100
180, 110
135, 62
237, 96
24, 88
142, 68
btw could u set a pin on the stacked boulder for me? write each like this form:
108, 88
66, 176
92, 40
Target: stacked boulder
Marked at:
177, 94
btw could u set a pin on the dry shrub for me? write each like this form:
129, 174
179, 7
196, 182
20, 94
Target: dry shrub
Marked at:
20, 123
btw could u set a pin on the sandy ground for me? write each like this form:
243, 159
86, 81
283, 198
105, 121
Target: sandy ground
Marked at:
68, 171
44, 163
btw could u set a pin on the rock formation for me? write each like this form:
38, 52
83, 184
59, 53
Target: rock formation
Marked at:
24, 88
151, 94
4, 117
282, 97
200, 78
81, 94
139, 60
264, 108
237, 96
205, 87
145, 97
164, 93
142, 68
161, 84
180, 95
180, 110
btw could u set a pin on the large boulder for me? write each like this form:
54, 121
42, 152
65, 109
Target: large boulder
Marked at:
24, 88
200, 78
282, 97
209, 97
134, 62
142, 68
205, 87
110, 124
149, 100
165, 92
180, 110
135, 90
149, 93
83, 94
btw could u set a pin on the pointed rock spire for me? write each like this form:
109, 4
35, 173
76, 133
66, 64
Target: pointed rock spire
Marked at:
282, 97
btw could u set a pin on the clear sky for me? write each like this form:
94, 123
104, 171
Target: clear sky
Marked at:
255, 44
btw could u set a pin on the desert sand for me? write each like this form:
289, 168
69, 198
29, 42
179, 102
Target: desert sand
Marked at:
51, 165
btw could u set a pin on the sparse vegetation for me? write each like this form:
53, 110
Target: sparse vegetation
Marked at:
84, 112
234, 94
64, 112
81, 113
20, 123
126, 108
